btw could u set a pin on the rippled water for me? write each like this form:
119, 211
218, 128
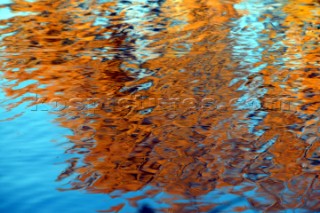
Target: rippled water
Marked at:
160, 106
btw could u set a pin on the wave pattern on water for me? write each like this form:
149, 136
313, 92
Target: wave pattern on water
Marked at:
197, 106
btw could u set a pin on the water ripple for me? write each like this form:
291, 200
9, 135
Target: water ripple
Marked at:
160, 105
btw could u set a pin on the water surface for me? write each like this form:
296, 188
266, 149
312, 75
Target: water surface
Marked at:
160, 106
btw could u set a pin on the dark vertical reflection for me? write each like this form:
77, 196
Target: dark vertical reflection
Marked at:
190, 98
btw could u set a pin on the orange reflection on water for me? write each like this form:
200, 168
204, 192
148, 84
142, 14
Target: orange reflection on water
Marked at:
144, 69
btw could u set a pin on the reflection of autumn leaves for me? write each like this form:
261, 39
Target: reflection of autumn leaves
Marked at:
307, 16
124, 147
301, 54
188, 151
302, 80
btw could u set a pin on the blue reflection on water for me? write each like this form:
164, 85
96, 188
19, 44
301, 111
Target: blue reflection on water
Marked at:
30, 163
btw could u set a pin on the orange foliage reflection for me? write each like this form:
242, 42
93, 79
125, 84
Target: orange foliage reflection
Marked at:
132, 67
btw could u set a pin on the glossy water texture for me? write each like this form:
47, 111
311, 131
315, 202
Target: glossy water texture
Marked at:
160, 106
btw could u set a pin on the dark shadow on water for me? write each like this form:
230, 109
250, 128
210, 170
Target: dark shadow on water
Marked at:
145, 209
